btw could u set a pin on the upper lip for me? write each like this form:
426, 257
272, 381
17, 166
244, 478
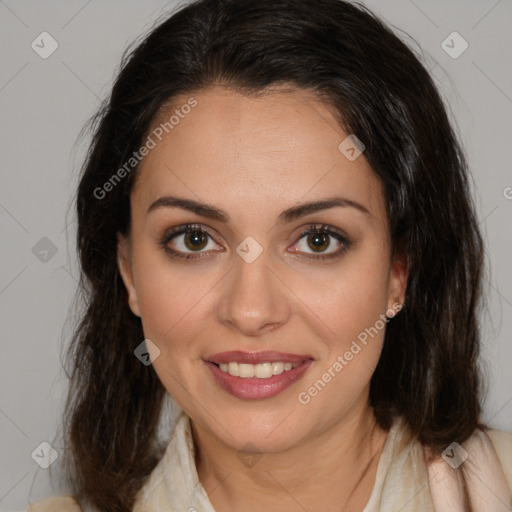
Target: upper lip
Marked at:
268, 356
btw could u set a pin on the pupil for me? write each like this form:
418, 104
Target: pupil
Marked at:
196, 238
319, 240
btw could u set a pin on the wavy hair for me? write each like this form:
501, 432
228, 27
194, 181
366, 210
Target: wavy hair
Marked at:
381, 92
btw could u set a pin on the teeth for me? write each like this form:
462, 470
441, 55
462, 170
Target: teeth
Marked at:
261, 371
231, 368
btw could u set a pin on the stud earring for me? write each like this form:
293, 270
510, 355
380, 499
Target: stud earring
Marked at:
391, 312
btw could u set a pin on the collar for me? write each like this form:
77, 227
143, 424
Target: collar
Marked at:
404, 481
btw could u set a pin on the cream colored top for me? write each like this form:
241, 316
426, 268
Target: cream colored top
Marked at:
403, 481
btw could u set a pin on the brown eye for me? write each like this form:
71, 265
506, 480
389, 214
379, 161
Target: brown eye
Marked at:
323, 240
318, 241
184, 241
195, 240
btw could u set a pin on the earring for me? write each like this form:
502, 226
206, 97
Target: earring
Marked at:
397, 306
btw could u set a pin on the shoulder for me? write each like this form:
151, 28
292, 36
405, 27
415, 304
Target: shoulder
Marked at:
487, 457
502, 442
57, 504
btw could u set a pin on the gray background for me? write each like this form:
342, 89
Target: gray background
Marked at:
44, 104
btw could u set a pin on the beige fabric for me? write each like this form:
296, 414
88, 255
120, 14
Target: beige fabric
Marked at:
486, 479
59, 504
404, 482
502, 441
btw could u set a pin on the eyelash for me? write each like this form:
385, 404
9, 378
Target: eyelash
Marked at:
311, 229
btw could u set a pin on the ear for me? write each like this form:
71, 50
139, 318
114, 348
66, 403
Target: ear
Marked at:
124, 263
398, 282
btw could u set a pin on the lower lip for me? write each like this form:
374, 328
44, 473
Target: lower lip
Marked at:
257, 389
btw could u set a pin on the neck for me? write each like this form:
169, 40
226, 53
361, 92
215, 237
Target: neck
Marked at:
324, 471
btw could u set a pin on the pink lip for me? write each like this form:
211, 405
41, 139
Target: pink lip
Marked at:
268, 356
255, 388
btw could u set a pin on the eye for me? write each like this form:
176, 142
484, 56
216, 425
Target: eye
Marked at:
192, 241
187, 240
319, 239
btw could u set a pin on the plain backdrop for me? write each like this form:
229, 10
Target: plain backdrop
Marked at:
44, 103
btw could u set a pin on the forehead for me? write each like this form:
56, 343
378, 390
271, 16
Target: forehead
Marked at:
280, 146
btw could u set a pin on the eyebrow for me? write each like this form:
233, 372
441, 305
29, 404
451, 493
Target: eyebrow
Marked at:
288, 215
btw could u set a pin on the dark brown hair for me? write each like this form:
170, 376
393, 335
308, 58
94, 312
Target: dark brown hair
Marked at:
382, 93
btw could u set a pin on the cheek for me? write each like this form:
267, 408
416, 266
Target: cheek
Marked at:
174, 301
349, 303
350, 349
174, 306
349, 297
170, 306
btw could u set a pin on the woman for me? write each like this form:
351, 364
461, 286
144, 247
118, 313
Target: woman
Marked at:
276, 214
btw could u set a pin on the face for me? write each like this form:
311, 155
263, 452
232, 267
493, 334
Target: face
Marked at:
242, 264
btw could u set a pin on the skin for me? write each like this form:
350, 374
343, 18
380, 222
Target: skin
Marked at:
254, 157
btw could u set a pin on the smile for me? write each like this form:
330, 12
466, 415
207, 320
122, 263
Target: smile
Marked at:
256, 376
261, 370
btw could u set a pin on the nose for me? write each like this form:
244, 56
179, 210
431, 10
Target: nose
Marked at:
254, 300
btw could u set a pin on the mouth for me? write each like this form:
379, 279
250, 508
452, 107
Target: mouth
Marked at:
257, 375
